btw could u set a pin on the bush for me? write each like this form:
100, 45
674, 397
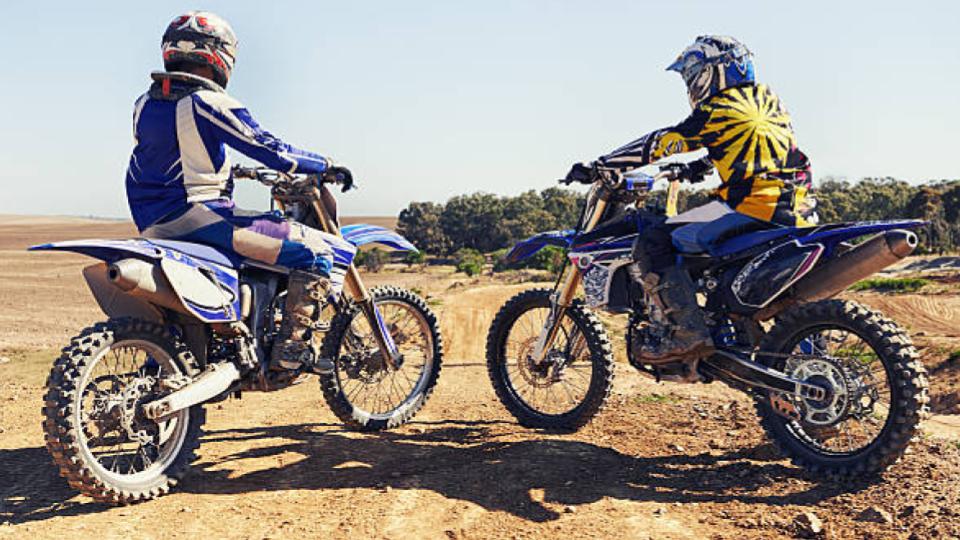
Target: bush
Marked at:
373, 260
550, 258
415, 257
904, 285
469, 261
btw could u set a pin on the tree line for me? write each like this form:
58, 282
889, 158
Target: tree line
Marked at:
487, 223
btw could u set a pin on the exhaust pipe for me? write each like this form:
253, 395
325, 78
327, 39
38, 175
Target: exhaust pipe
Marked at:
862, 261
211, 383
146, 281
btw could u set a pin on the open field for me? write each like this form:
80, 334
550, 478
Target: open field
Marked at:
663, 461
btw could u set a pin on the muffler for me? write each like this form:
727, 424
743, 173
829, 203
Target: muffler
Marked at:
211, 383
146, 281
862, 261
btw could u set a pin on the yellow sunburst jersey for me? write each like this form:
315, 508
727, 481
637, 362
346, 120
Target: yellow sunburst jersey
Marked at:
749, 138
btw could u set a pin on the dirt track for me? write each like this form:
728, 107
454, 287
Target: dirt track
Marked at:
663, 461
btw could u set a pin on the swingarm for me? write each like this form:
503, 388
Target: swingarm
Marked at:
743, 370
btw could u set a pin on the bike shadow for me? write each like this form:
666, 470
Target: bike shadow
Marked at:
528, 474
32, 490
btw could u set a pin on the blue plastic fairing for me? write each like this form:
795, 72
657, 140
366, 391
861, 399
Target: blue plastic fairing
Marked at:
828, 235
535, 243
361, 234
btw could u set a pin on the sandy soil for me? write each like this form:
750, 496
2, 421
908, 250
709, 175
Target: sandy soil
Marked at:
663, 461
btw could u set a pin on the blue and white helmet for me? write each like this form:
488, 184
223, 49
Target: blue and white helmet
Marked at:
712, 64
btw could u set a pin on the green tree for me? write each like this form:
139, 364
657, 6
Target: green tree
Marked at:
564, 205
474, 221
419, 222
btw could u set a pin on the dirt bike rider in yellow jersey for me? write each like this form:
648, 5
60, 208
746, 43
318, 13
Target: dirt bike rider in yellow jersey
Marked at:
750, 140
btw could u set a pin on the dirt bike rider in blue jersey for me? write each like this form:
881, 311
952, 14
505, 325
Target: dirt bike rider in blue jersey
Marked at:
749, 139
179, 186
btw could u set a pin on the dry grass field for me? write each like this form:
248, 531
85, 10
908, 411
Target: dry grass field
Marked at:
662, 461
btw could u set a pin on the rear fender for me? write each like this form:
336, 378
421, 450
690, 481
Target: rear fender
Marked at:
526, 248
361, 234
109, 251
208, 291
833, 235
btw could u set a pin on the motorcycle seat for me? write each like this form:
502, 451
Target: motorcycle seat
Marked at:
201, 251
728, 234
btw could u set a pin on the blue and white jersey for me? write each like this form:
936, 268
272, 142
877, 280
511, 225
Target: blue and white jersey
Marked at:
181, 127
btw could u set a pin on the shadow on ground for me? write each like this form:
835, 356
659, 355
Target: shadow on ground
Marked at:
458, 460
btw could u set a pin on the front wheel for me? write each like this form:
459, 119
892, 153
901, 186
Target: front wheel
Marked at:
570, 385
363, 391
94, 425
877, 388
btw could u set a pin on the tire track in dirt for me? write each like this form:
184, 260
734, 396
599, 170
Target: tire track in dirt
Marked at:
932, 314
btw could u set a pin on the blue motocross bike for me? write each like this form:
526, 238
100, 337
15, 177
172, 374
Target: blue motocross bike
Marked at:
190, 325
838, 387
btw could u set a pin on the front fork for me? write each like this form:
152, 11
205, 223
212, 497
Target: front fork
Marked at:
561, 300
324, 206
564, 296
386, 344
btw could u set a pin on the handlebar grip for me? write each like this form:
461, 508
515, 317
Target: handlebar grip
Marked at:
243, 172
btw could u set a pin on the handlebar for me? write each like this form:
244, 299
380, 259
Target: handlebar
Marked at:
693, 172
269, 177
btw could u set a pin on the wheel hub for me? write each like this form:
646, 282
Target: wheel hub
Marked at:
367, 366
540, 374
135, 425
829, 374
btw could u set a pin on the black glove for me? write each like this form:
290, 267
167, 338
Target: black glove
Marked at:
698, 170
693, 172
336, 174
582, 173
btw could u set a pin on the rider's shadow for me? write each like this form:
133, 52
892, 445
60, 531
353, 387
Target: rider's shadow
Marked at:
533, 479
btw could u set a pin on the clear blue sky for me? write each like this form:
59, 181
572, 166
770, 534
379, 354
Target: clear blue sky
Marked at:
425, 100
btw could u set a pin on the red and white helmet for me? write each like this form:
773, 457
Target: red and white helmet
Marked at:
200, 38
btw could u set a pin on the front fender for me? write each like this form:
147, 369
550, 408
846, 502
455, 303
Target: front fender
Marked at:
361, 234
526, 248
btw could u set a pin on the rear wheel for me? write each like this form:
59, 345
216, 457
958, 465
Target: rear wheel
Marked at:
363, 391
94, 425
877, 388
570, 385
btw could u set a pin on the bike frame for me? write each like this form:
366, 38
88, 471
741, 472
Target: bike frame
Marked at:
571, 276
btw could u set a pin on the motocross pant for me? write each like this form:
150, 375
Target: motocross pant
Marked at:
670, 291
263, 237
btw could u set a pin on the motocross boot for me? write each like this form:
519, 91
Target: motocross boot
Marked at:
294, 346
673, 299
